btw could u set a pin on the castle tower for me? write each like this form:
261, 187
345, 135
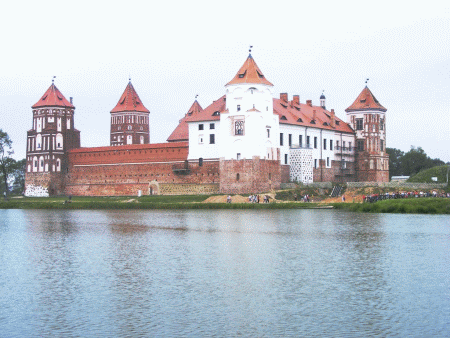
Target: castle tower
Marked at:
249, 134
53, 133
368, 118
130, 120
249, 127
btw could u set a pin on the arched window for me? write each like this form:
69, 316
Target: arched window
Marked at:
58, 165
238, 177
59, 141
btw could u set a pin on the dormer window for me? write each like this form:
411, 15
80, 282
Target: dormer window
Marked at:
260, 75
299, 120
216, 113
283, 118
242, 75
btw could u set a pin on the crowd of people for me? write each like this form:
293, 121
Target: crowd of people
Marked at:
395, 195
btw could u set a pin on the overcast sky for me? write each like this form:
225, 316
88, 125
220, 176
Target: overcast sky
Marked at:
174, 50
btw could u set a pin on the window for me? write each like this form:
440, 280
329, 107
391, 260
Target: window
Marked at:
381, 124
349, 146
238, 107
285, 158
315, 142
300, 140
200, 126
212, 139
315, 163
238, 177
331, 144
239, 127
324, 144
290, 140
360, 145
359, 124
119, 127
200, 139
268, 133
211, 126
238, 156
130, 127
281, 139
328, 162
307, 141
381, 145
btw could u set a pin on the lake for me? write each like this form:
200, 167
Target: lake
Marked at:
223, 273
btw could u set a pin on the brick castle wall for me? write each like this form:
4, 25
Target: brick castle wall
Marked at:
249, 176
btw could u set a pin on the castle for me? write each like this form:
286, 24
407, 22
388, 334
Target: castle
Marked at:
244, 142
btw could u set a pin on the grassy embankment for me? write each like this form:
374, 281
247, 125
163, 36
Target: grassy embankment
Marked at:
429, 205
144, 202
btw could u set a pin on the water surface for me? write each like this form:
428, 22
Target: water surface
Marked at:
223, 273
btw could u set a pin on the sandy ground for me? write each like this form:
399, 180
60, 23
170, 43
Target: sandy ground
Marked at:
236, 199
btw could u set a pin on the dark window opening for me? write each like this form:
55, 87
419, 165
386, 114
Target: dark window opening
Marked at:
200, 127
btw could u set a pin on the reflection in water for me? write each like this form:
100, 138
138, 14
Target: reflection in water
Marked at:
223, 273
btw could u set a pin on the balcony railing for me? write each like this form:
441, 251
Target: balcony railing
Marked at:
344, 149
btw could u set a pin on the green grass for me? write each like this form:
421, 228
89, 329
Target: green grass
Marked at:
404, 206
144, 202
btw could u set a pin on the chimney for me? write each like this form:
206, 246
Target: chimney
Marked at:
309, 103
296, 99
333, 119
284, 97
71, 100
314, 113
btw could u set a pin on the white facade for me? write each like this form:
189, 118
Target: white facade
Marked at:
249, 127
204, 140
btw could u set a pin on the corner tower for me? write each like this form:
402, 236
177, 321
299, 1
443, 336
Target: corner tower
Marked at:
249, 134
367, 117
129, 120
249, 126
52, 134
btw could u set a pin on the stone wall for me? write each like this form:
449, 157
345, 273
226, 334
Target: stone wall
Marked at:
249, 176
128, 178
44, 184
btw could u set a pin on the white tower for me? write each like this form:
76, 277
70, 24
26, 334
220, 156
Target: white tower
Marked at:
249, 127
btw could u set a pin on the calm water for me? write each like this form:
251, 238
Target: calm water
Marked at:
223, 274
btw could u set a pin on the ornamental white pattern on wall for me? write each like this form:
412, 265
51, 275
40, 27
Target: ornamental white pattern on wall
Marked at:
301, 165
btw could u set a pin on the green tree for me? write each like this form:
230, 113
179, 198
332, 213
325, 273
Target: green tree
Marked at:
395, 161
11, 171
416, 160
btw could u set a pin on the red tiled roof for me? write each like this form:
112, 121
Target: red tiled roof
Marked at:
130, 101
302, 115
365, 101
53, 98
181, 132
210, 113
249, 73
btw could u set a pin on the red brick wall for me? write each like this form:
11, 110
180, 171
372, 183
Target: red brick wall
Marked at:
127, 179
255, 176
285, 173
53, 182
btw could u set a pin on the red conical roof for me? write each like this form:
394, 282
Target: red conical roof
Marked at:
250, 73
129, 101
181, 132
53, 98
365, 101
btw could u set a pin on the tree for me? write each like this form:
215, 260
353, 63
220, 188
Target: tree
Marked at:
395, 161
11, 171
416, 160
